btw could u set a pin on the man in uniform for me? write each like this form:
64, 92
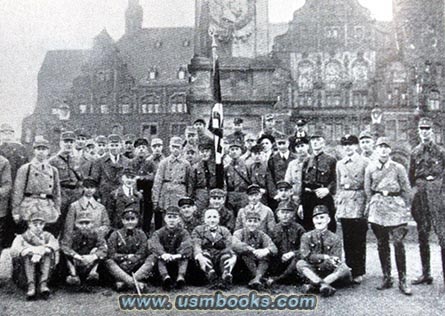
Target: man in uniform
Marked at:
318, 181
203, 137
70, 176
87, 159
107, 171
295, 168
172, 180
351, 203
249, 142
204, 176
129, 146
80, 142
300, 132
102, 146
366, 144
157, 156
238, 135
388, 192
217, 202
260, 175
269, 128
236, 177
5, 191
426, 175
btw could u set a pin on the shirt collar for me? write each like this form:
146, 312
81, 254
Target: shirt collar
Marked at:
285, 155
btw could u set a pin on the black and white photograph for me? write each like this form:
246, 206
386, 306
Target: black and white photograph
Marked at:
199, 157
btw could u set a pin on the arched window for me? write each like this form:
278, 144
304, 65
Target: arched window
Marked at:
181, 73
177, 103
124, 106
103, 106
434, 101
152, 73
150, 104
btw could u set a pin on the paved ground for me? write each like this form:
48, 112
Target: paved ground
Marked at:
361, 300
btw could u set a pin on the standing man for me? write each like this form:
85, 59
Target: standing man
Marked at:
318, 182
269, 127
80, 142
388, 191
5, 191
129, 146
68, 166
238, 135
107, 171
300, 131
102, 146
295, 168
426, 175
203, 137
367, 144
172, 181
249, 142
351, 203
157, 145
204, 176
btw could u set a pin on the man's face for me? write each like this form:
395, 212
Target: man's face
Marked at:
211, 218
171, 220
217, 201
270, 124
67, 145
367, 144
192, 138
101, 148
235, 152
254, 198
425, 134
36, 226
321, 221
252, 224
41, 153
238, 127
90, 150
317, 143
156, 149
129, 146
302, 149
129, 181
284, 216
84, 226
283, 145
199, 126
80, 142
130, 221
383, 151
350, 149
141, 151
7, 136
190, 155
175, 150
114, 148
249, 143
267, 145
284, 194
89, 191
187, 211
206, 154
257, 157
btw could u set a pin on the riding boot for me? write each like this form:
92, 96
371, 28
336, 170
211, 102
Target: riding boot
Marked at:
45, 267
30, 277
425, 278
385, 262
401, 268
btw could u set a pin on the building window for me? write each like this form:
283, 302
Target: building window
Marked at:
149, 130
359, 99
104, 109
178, 104
181, 73
305, 100
55, 111
177, 129
186, 43
402, 132
328, 131
339, 131
150, 104
153, 73
333, 100
358, 32
83, 108
124, 106
434, 101
332, 32
390, 129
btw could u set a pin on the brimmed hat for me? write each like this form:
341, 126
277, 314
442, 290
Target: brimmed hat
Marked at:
186, 201
301, 122
190, 130
129, 138
89, 183
236, 143
425, 122
286, 206
320, 209
349, 140
101, 139
172, 210
365, 134
129, 172
176, 141
383, 141
258, 148
130, 210
140, 142
68, 135
200, 120
156, 141
318, 132
253, 189
206, 146
114, 139
81, 132
266, 136
40, 141
217, 193
301, 141
269, 117
283, 185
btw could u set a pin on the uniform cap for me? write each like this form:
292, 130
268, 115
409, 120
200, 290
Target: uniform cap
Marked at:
238, 120
217, 193
129, 172
129, 138
190, 130
236, 143
186, 201
349, 140
5, 127
101, 139
365, 134
266, 136
156, 141
40, 141
81, 132
90, 143
425, 122
190, 148
68, 135
130, 210
283, 185
250, 136
253, 189
383, 141
286, 206
37, 216
281, 137
258, 148
114, 139
206, 145
318, 132
200, 120
320, 209
89, 183
269, 117
301, 141
172, 210
301, 122
140, 142
176, 141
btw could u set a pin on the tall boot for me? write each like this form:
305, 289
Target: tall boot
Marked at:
118, 273
401, 268
30, 278
45, 266
424, 249
442, 250
385, 262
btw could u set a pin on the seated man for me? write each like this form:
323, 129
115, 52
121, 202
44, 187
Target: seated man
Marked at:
188, 214
84, 249
217, 201
173, 247
255, 248
129, 261
321, 251
212, 249
286, 236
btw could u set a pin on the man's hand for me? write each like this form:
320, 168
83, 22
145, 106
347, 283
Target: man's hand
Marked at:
78, 257
230, 263
166, 257
287, 256
261, 253
203, 261
26, 252
300, 212
321, 192
16, 218
36, 258
89, 259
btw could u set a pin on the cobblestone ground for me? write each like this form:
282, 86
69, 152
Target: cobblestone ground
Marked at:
359, 300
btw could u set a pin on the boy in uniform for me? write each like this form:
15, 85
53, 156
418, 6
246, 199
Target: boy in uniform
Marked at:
173, 247
321, 252
129, 260
255, 248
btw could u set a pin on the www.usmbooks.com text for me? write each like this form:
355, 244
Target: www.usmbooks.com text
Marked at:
218, 301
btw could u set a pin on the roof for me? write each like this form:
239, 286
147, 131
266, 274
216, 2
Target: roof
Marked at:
163, 48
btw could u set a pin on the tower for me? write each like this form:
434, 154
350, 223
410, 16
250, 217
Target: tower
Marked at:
133, 17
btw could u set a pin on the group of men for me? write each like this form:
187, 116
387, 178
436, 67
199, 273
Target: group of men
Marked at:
269, 176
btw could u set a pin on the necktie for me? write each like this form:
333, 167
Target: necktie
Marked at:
207, 174
213, 230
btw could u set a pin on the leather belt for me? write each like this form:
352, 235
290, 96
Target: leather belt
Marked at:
386, 193
40, 196
427, 178
174, 182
